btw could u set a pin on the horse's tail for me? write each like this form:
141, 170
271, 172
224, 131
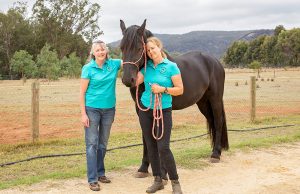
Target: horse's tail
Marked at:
224, 136
212, 129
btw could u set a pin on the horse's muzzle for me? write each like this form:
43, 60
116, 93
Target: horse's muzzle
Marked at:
129, 82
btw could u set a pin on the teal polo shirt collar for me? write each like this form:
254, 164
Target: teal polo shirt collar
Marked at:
164, 61
94, 64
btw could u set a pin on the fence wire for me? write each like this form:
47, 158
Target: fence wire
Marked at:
277, 102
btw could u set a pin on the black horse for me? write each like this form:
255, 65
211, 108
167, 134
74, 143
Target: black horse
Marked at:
203, 80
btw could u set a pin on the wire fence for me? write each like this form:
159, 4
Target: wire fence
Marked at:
277, 102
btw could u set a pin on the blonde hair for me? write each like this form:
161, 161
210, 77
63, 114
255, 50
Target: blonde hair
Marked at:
102, 45
158, 43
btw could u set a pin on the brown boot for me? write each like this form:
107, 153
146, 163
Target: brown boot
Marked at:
95, 186
176, 187
157, 185
104, 179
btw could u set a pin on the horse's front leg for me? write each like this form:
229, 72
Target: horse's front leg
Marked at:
143, 170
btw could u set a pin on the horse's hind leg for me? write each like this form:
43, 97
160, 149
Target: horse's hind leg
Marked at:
217, 107
213, 114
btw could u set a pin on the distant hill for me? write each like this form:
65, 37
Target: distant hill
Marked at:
211, 42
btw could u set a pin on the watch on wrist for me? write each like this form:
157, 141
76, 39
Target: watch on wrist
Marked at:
166, 90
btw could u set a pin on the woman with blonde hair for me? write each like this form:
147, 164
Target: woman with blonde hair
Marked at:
161, 77
97, 103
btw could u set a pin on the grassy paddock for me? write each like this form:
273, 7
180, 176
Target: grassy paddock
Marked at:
61, 132
192, 154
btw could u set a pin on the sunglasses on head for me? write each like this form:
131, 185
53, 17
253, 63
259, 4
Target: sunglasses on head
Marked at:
98, 41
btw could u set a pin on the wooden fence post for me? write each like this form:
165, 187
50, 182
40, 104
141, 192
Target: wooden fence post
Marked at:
35, 87
253, 98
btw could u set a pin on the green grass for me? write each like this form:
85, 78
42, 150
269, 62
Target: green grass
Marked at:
60, 118
190, 154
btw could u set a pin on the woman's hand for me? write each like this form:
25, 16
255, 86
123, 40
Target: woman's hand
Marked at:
139, 78
157, 88
85, 120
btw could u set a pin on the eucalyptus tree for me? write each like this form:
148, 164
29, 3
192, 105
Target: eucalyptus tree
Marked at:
48, 63
289, 45
22, 63
15, 34
67, 23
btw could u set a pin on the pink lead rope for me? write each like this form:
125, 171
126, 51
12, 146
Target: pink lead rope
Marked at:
157, 110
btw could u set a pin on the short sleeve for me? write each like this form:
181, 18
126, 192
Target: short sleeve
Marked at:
85, 72
174, 69
114, 63
117, 63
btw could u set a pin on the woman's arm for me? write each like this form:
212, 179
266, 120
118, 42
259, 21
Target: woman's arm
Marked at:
139, 78
83, 87
174, 91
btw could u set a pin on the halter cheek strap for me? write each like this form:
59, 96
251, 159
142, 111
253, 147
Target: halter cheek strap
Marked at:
143, 54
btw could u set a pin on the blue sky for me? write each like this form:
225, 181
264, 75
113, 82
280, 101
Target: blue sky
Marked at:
182, 16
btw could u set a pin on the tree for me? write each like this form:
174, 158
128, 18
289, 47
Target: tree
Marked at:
254, 49
234, 56
115, 52
278, 30
13, 25
269, 52
289, 45
48, 63
71, 66
70, 16
22, 63
256, 65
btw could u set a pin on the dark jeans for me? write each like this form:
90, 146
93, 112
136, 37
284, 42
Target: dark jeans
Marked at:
159, 150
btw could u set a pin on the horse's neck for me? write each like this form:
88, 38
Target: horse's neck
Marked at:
169, 57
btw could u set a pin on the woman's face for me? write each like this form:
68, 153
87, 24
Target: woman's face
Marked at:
153, 51
100, 52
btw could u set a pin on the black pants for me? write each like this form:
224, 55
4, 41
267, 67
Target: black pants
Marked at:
159, 150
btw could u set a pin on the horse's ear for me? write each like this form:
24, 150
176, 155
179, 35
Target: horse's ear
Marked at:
142, 28
122, 25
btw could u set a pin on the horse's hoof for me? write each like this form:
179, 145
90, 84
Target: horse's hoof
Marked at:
214, 160
141, 174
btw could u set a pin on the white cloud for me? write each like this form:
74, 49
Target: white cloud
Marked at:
181, 16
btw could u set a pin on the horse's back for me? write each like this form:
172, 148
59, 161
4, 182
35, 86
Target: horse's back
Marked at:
197, 70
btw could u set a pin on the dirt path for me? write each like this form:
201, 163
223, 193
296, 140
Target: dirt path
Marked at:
274, 170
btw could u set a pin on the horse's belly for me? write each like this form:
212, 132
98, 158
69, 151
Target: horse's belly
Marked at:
184, 101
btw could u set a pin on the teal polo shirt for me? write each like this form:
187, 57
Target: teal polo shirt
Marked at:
161, 75
101, 91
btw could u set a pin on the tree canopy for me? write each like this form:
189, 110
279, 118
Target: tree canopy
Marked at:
279, 50
64, 27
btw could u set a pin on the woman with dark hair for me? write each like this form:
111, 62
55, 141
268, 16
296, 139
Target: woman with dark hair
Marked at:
162, 79
97, 103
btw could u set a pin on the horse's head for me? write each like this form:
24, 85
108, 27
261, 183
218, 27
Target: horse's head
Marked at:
133, 51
